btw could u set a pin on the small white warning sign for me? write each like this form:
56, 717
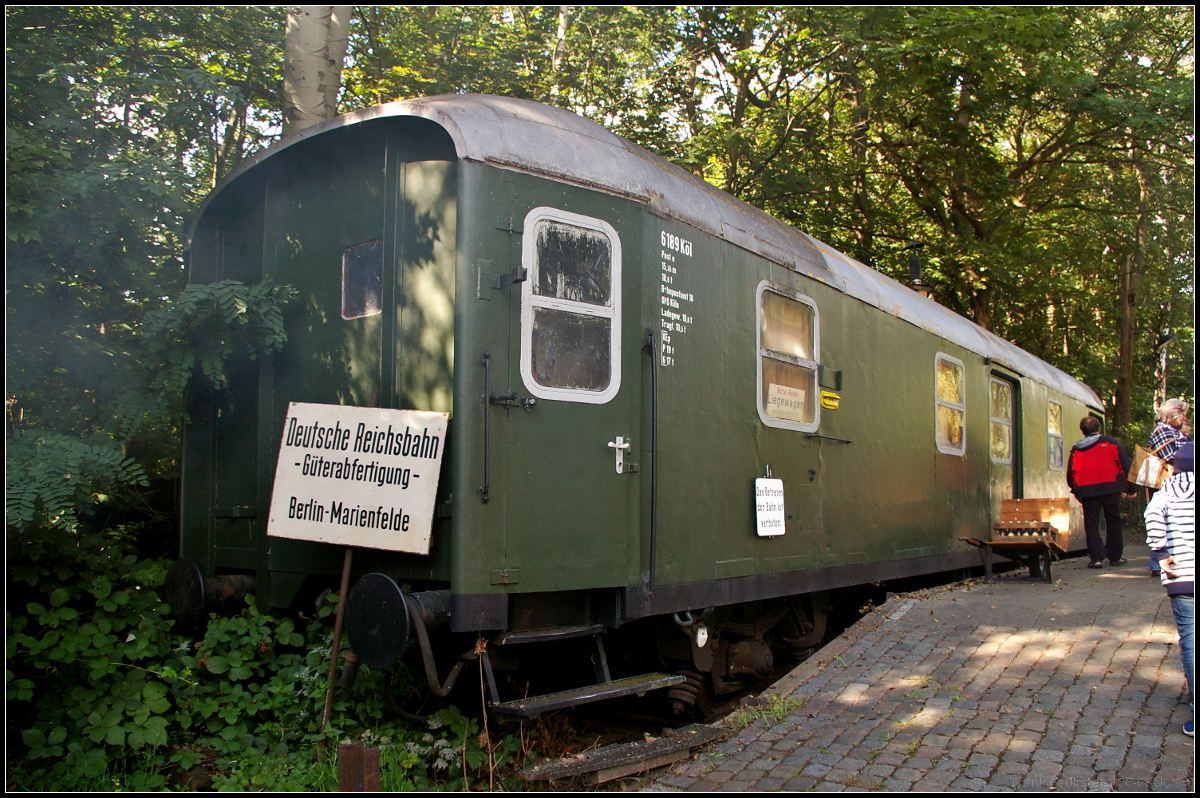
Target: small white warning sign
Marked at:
768, 503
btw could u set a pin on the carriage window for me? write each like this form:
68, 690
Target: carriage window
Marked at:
573, 263
951, 405
788, 346
1001, 421
570, 309
362, 280
1054, 435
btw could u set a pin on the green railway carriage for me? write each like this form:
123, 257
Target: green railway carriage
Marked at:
623, 350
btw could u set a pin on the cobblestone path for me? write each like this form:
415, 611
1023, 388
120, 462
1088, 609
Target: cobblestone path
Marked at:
1013, 686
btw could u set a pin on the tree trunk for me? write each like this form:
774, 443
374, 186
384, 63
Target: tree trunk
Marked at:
1131, 272
559, 57
1160, 371
314, 47
859, 151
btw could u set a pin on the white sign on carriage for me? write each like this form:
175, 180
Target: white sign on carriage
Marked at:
768, 507
358, 476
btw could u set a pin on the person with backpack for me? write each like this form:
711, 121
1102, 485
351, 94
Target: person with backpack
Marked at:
1096, 473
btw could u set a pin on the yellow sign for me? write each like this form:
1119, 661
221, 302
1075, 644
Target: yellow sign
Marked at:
830, 400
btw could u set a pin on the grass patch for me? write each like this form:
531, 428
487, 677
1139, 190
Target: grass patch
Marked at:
773, 711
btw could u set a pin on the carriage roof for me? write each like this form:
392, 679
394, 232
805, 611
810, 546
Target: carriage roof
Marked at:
540, 139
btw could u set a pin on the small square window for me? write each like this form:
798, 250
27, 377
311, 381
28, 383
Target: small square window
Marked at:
362, 280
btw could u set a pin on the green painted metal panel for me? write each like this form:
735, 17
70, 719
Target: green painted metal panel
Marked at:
559, 517
219, 467
291, 220
558, 513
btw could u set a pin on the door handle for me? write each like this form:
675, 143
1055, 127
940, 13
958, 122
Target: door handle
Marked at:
510, 399
619, 446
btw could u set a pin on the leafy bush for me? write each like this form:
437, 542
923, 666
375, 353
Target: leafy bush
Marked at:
101, 692
197, 334
88, 657
122, 702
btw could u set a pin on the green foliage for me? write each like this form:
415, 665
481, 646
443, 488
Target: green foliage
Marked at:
1038, 152
85, 652
120, 700
118, 120
771, 711
50, 479
197, 334
208, 324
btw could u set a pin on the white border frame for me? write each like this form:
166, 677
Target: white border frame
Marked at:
530, 300
1062, 437
939, 402
992, 419
760, 353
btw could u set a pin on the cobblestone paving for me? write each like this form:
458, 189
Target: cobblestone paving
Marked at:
1013, 686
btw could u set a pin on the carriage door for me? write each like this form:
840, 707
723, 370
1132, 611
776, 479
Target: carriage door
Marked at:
1005, 439
571, 458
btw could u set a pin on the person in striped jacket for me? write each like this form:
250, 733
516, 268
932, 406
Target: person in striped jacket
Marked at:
1171, 533
1169, 434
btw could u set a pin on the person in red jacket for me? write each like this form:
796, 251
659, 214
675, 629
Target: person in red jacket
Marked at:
1096, 473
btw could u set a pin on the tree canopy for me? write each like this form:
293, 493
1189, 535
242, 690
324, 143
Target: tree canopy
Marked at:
1043, 155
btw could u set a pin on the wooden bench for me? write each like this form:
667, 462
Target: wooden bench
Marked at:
1033, 532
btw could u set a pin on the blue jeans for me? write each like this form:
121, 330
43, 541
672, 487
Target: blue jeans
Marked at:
1184, 608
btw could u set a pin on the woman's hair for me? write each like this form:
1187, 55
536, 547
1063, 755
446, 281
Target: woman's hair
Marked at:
1172, 410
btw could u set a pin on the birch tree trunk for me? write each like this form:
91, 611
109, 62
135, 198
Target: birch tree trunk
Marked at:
314, 47
559, 56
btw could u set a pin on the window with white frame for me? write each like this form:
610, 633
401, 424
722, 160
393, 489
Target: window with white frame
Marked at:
1054, 435
950, 405
1001, 418
571, 307
789, 344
